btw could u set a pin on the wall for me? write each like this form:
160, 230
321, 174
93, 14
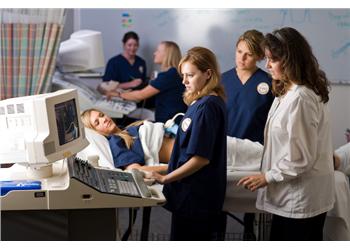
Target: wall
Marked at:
340, 114
328, 31
69, 24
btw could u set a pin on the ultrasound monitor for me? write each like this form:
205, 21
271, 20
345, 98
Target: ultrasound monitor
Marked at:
38, 130
81, 52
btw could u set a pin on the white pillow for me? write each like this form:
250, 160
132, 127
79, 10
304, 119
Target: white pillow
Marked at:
98, 146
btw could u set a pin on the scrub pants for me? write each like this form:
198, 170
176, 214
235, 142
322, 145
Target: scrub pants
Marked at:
283, 228
190, 228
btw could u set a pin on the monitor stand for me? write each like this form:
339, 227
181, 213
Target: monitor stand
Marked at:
39, 172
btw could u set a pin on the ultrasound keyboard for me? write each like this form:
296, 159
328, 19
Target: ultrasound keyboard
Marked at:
121, 106
91, 97
108, 181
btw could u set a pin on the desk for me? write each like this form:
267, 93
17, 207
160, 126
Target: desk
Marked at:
74, 224
60, 210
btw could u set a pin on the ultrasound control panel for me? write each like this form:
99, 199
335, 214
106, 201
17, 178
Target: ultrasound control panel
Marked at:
107, 180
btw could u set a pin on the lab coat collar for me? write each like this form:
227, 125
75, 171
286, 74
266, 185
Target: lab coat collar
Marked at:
293, 87
290, 92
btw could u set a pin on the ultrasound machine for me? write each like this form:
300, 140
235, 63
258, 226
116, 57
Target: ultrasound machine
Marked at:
49, 194
78, 58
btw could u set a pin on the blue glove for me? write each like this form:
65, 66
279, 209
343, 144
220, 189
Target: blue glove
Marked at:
172, 130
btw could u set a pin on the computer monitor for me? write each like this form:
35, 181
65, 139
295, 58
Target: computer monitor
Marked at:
40, 129
82, 52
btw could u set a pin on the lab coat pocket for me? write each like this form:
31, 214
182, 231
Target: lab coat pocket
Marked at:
280, 195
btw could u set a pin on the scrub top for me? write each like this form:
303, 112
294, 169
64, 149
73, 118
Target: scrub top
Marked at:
202, 193
119, 69
168, 102
247, 104
122, 156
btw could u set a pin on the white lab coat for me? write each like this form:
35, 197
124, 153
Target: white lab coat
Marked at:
297, 158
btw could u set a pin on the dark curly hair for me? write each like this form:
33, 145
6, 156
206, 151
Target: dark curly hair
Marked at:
298, 63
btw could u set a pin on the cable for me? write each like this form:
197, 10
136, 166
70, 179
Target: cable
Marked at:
171, 122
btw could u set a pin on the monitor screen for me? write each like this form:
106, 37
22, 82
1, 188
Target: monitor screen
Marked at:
67, 121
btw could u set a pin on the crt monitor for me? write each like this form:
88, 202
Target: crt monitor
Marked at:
40, 129
83, 51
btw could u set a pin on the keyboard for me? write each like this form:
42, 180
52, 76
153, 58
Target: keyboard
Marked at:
121, 106
107, 180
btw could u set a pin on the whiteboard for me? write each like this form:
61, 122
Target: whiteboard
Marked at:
327, 30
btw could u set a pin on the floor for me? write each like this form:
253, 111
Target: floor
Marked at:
160, 225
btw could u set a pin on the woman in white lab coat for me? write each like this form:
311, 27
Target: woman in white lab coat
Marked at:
296, 183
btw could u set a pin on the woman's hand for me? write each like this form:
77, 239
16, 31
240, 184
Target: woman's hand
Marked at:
110, 94
161, 179
253, 182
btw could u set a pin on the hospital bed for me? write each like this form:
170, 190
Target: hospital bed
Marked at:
238, 199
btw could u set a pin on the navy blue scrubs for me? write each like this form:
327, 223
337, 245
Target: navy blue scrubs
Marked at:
119, 69
169, 101
247, 104
122, 156
196, 200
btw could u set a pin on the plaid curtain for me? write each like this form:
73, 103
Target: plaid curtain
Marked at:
28, 53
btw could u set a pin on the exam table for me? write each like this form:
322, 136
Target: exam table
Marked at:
240, 200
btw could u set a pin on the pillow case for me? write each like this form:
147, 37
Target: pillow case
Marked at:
98, 146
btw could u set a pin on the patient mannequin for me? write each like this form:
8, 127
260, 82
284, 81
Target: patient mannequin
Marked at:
125, 144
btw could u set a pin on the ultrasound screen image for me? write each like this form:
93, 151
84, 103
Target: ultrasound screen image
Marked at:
67, 121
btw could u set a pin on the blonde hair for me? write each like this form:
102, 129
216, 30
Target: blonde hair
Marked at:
172, 55
253, 39
204, 60
126, 137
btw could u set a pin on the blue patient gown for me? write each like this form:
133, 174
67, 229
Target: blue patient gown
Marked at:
122, 156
